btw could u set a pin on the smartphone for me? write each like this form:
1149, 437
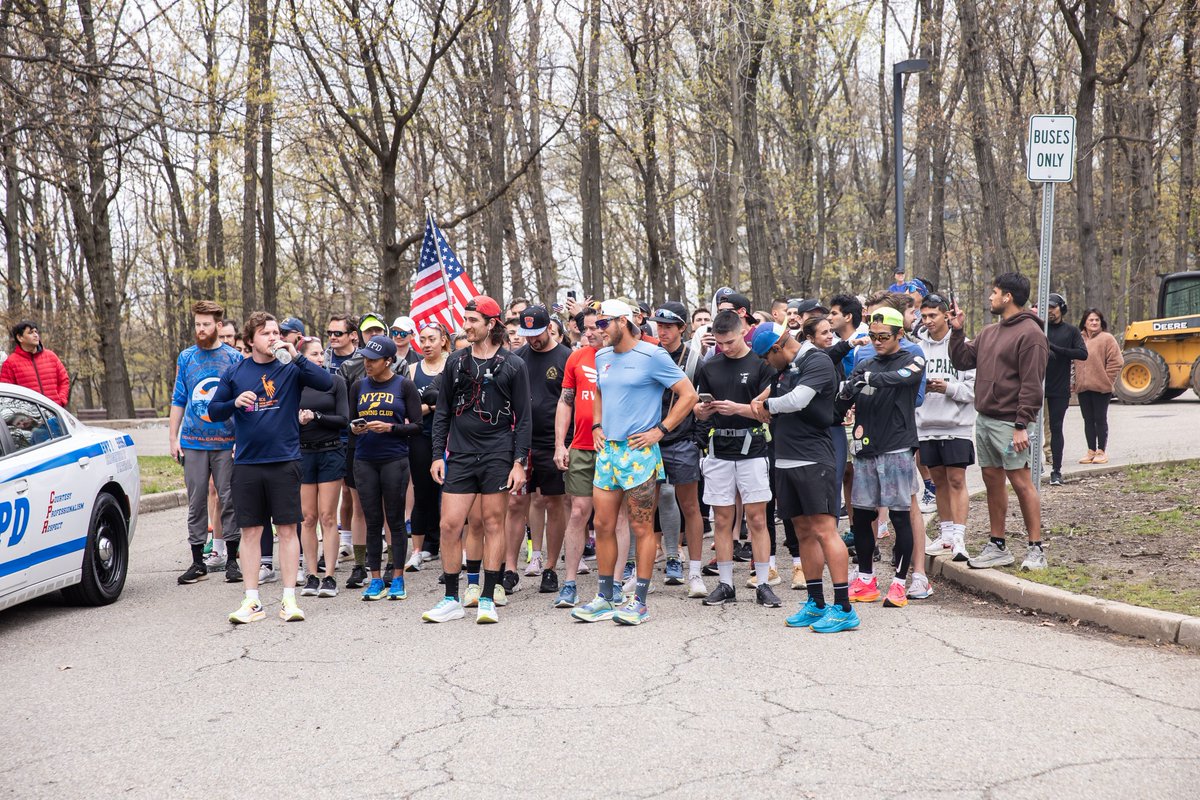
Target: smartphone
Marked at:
953, 302
358, 423
705, 397
571, 295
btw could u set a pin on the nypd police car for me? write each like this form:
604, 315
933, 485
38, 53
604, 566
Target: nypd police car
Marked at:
68, 503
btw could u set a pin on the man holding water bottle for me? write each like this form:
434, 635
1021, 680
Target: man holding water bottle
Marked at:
261, 394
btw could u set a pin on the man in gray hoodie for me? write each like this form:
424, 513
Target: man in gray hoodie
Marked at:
945, 425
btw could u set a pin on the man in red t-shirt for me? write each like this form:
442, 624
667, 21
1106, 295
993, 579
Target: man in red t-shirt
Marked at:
579, 459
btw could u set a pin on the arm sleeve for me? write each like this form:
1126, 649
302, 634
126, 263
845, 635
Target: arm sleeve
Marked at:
523, 423
179, 393
910, 374
795, 400
962, 352
412, 410
221, 407
340, 417
314, 376
841, 405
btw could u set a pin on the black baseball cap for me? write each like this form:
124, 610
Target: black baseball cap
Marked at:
671, 312
378, 347
294, 325
738, 301
1057, 299
533, 321
805, 306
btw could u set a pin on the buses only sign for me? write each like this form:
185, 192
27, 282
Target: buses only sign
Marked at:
1051, 149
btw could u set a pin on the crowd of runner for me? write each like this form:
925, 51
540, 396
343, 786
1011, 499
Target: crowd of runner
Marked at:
606, 437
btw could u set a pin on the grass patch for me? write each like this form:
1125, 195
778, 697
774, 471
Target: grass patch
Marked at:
1148, 479
1156, 523
160, 474
1148, 594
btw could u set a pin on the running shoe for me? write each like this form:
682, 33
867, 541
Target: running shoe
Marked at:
618, 595
632, 613
471, 595
375, 590
628, 572
208, 544
920, 588
882, 532
446, 609
895, 597
928, 502
1035, 559
773, 578
289, 611
836, 620
798, 579
500, 597
1056, 478
510, 580
193, 574
249, 611
991, 556
233, 572
864, 591
808, 614
414, 563
765, 596
487, 612
396, 590
724, 593
215, 562
358, 576
584, 569
696, 587
312, 585
938, 547
534, 567
345, 550
710, 569
959, 548
589, 547
598, 610
568, 596
674, 572
266, 574
328, 587
742, 552
549, 582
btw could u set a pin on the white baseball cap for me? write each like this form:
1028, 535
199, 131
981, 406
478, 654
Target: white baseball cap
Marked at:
405, 324
617, 308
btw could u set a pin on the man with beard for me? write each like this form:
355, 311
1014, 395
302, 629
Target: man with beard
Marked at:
205, 447
1066, 346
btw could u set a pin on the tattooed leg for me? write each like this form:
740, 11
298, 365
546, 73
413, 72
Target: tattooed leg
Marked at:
641, 501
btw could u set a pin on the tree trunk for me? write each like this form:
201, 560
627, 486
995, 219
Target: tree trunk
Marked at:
589, 173
541, 249
12, 180
267, 121
493, 273
256, 28
1189, 108
1145, 250
214, 245
753, 36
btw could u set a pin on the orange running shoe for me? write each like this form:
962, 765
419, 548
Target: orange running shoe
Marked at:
896, 597
863, 591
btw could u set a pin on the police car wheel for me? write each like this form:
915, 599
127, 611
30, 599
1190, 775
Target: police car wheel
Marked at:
105, 557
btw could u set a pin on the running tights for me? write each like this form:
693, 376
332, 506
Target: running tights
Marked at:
427, 493
1094, 407
382, 486
863, 526
1057, 408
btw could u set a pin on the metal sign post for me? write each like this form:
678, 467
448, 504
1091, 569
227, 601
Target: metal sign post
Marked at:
1051, 160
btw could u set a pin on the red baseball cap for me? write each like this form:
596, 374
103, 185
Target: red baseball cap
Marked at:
485, 306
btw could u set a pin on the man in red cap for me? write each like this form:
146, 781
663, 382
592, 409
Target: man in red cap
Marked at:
482, 421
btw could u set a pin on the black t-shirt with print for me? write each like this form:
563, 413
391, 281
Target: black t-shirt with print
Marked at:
545, 386
739, 380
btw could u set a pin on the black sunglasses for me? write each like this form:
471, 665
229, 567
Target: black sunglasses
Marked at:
602, 324
880, 337
335, 334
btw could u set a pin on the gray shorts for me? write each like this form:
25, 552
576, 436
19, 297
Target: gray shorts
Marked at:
993, 444
682, 461
885, 480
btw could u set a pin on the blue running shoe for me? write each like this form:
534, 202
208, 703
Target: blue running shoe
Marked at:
806, 616
836, 620
374, 590
598, 610
674, 572
628, 571
568, 597
396, 590
632, 613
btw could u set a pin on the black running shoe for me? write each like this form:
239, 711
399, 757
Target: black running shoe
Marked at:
766, 597
589, 550
312, 586
328, 587
742, 552
710, 568
509, 580
194, 574
1056, 478
233, 571
358, 576
321, 564
724, 593
549, 582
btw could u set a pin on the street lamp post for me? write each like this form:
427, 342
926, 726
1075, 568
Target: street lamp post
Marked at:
898, 71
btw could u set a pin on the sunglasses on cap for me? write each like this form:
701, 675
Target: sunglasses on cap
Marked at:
423, 324
935, 299
666, 313
880, 337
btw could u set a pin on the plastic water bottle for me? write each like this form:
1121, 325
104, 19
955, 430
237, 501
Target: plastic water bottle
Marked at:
282, 355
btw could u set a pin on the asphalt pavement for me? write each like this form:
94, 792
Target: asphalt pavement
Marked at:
157, 695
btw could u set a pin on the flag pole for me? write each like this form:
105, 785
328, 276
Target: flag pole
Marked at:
441, 264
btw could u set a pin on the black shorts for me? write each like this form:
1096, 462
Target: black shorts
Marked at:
267, 493
477, 473
807, 491
322, 466
681, 461
947, 453
349, 473
543, 476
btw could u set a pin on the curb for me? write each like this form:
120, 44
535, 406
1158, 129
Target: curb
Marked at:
162, 501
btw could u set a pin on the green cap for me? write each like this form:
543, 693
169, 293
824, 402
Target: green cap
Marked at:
888, 316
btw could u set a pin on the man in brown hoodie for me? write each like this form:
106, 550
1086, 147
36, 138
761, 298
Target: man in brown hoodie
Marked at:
1009, 359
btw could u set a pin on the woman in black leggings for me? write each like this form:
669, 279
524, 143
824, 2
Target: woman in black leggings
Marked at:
427, 493
1094, 383
387, 411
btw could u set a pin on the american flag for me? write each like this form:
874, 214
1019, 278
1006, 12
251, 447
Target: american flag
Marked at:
443, 288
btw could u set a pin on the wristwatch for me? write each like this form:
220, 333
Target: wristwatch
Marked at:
1019, 426
522, 460
662, 428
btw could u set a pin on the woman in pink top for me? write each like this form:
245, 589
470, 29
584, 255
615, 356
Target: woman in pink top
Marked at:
1094, 382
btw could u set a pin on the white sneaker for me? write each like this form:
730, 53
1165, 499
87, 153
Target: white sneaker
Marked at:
882, 532
267, 575
534, 568
300, 577
215, 560
444, 611
413, 564
345, 550
696, 587
1035, 559
584, 569
920, 588
426, 556
937, 547
959, 548
928, 502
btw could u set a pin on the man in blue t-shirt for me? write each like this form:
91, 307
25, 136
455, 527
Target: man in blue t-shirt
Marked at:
630, 378
204, 447
262, 396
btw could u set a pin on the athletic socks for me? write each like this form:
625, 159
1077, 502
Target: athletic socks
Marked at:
450, 581
606, 586
816, 592
772, 562
641, 589
289, 591
841, 596
490, 578
795, 561
360, 555
536, 556
473, 567
252, 594
725, 572
219, 547
947, 529
998, 541
762, 570
197, 553
695, 568
234, 547
1037, 544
